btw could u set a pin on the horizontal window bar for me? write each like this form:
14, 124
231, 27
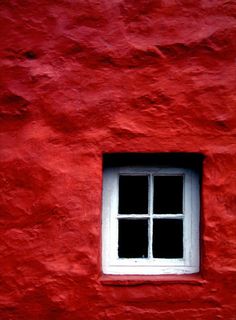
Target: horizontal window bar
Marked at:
168, 216
133, 216
154, 216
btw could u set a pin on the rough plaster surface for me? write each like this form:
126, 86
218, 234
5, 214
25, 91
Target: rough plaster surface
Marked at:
82, 78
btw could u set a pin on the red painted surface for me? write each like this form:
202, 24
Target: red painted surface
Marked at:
81, 78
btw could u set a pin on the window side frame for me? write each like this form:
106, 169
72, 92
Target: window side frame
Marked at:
111, 264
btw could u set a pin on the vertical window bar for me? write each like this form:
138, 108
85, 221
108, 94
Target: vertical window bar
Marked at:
150, 212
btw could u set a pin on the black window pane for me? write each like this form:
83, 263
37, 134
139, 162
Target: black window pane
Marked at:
133, 194
133, 239
167, 238
168, 194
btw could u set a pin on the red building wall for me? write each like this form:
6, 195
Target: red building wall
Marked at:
84, 78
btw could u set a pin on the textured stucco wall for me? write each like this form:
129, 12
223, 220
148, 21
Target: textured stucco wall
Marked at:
82, 78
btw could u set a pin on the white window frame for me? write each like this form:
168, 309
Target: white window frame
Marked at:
111, 263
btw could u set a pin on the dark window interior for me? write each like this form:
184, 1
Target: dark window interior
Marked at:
168, 194
133, 238
133, 195
167, 238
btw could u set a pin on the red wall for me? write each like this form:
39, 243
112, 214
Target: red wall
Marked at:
83, 78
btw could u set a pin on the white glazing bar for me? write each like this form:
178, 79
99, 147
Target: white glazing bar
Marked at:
150, 212
168, 216
133, 216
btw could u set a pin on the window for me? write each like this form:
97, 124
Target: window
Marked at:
150, 220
